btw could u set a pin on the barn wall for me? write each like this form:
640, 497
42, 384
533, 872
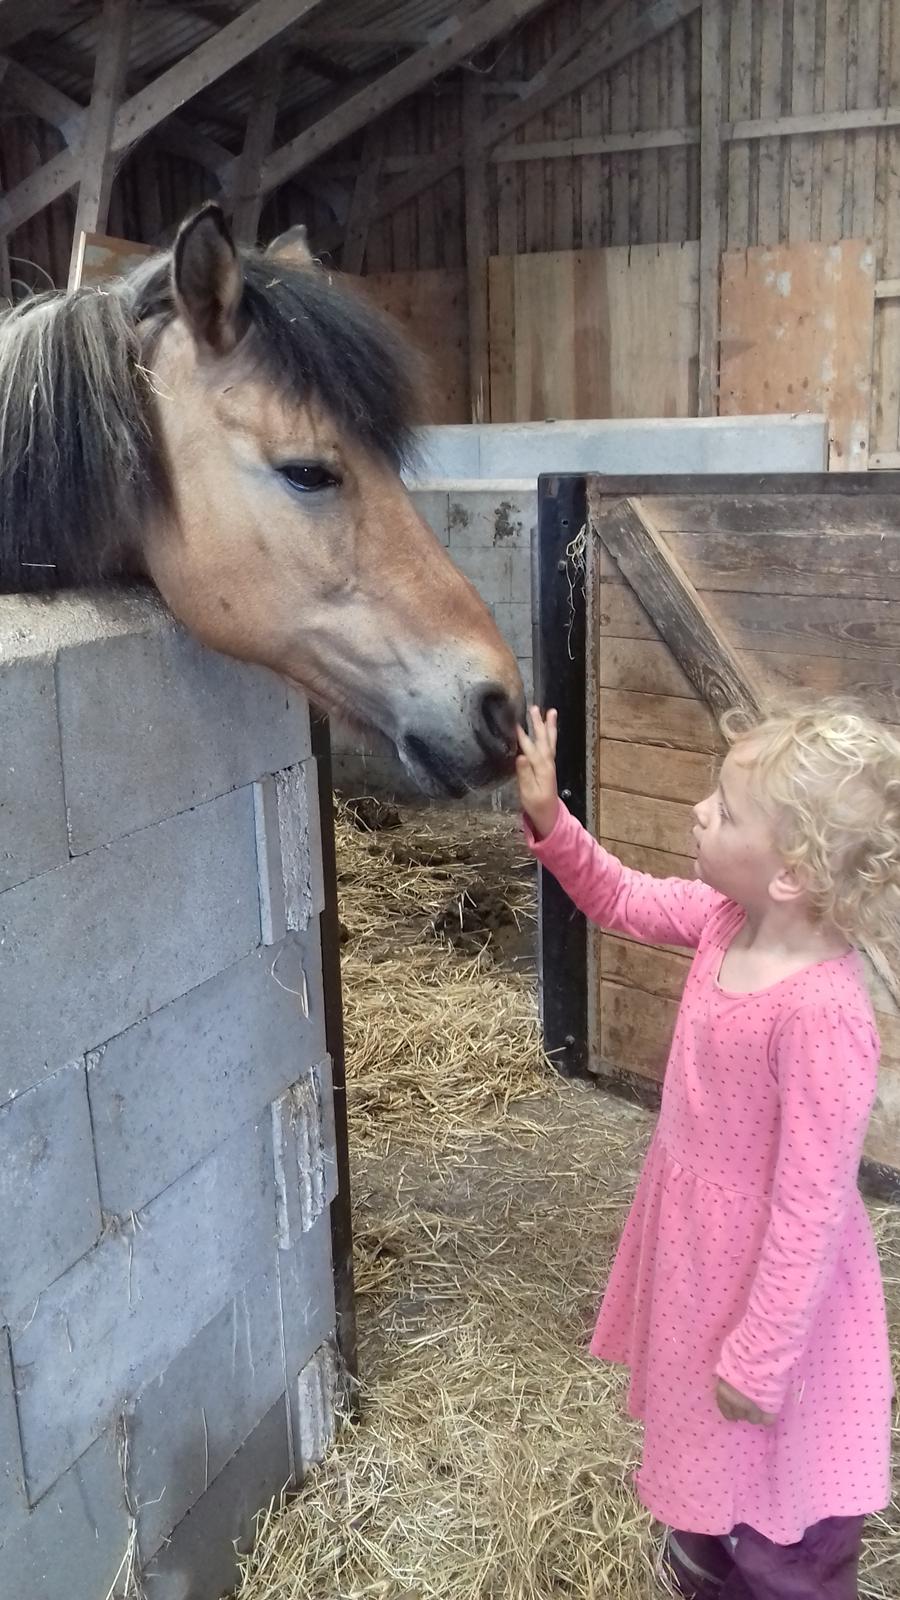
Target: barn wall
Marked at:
167, 1153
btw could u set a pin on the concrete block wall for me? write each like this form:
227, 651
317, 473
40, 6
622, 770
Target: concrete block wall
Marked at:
167, 1143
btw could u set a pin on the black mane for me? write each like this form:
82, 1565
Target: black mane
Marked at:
80, 468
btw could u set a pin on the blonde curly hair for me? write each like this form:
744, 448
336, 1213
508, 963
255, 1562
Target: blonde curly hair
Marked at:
829, 776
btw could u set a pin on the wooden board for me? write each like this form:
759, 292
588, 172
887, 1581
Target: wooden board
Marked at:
431, 308
594, 333
101, 257
797, 327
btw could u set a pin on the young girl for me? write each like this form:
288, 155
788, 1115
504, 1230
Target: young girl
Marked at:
746, 1297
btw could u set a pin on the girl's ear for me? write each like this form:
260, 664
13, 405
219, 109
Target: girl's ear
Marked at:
786, 886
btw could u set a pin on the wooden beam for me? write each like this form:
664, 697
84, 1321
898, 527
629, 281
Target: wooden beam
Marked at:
711, 181
44, 100
477, 249
248, 197
598, 144
813, 122
150, 106
476, 30
690, 630
604, 54
887, 289
95, 155
362, 203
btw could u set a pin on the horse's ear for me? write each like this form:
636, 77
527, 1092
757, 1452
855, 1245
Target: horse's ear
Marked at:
291, 247
208, 280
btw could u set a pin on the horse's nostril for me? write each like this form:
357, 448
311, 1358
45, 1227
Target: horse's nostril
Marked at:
495, 720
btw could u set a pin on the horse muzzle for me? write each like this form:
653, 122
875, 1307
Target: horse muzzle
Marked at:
471, 751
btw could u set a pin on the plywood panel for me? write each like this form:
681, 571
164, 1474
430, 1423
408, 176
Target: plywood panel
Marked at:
431, 309
594, 333
797, 326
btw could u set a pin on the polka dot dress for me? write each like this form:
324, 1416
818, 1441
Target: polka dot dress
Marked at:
748, 1252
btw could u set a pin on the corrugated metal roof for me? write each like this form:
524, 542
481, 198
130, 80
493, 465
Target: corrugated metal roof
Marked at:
344, 33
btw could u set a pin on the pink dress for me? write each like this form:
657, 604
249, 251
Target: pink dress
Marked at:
748, 1252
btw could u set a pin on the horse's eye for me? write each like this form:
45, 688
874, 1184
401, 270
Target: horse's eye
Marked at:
309, 477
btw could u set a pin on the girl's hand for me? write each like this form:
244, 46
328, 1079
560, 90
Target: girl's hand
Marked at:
536, 772
736, 1407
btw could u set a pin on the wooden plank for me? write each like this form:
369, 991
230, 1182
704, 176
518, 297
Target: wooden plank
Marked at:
648, 164
711, 230
476, 29
623, 143
563, 201
502, 337
771, 150
835, 562
362, 203
885, 460
669, 721
645, 666
814, 122
797, 328
802, 103
476, 249
872, 680
798, 508
834, 145
662, 863
678, 228
245, 183
636, 1028
635, 346
664, 774
651, 968
620, 120
431, 308
887, 289
95, 155
788, 623
606, 53
737, 212
862, 220
680, 617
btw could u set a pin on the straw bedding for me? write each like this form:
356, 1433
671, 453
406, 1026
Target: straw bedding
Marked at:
490, 1458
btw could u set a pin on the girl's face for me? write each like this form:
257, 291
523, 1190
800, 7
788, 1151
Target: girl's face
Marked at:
736, 851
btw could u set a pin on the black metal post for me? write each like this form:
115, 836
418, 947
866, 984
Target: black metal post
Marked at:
560, 682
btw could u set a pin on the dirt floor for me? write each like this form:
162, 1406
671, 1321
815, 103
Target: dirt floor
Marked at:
491, 1458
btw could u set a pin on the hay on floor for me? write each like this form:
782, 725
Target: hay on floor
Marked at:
491, 1459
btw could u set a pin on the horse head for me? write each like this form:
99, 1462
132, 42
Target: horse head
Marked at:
233, 426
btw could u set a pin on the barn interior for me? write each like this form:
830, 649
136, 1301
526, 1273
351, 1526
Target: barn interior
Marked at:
633, 243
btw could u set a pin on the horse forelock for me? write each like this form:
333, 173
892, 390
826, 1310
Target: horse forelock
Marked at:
81, 467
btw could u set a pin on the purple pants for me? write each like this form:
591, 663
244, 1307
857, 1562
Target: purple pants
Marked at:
823, 1566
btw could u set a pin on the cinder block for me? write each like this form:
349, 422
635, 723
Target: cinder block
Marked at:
520, 575
316, 869
432, 505
268, 851
169, 1090
514, 622
494, 516
32, 807
306, 1280
92, 947
199, 1562
489, 569
75, 1540
153, 724
292, 793
314, 1402
48, 1187
13, 1500
121, 1315
186, 1425
305, 1154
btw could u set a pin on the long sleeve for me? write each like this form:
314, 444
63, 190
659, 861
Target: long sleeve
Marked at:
655, 910
826, 1063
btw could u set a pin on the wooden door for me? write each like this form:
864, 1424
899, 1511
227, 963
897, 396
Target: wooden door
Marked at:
703, 593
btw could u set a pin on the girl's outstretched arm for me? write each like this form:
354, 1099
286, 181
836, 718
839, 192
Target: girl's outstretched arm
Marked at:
826, 1061
655, 910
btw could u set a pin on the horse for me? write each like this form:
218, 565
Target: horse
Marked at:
231, 427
